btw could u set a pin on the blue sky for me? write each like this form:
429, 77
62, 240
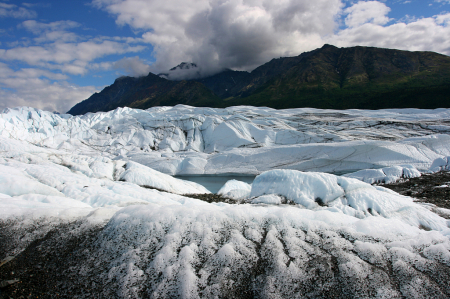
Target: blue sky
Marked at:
56, 53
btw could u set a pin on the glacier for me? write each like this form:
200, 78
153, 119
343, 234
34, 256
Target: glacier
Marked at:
184, 140
300, 230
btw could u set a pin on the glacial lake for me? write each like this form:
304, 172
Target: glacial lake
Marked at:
214, 182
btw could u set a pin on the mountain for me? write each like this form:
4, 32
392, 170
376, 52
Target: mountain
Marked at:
146, 92
359, 77
328, 77
184, 70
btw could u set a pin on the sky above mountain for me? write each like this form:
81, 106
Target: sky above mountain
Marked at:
54, 54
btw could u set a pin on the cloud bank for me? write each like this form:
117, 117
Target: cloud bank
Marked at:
52, 57
39, 88
243, 34
132, 66
237, 34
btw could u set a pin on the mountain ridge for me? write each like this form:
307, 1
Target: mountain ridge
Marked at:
328, 77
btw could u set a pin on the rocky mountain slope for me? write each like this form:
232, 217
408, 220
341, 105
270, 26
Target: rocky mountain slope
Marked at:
329, 77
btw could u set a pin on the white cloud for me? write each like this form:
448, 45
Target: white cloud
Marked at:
53, 55
37, 88
240, 34
423, 34
443, 19
367, 12
14, 11
38, 27
54, 31
72, 58
132, 66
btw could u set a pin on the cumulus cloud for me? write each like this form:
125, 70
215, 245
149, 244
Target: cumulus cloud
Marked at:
39, 88
14, 11
217, 34
243, 34
422, 34
367, 12
132, 66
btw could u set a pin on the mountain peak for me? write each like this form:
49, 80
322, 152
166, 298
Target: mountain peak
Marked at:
183, 71
184, 66
329, 77
326, 46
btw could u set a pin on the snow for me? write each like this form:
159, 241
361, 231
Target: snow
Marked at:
344, 195
440, 164
226, 244
385, 175
188, 140
115, 170
144, 176
235, 189
271, 199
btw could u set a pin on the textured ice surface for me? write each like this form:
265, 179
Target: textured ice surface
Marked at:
341, 236
144, 176
187, 140
385, 175
440, 164
349, 196
267, 252
235, 189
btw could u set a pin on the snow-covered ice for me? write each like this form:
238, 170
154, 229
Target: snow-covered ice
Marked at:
235, 189
187, 140
298, 232
385, 175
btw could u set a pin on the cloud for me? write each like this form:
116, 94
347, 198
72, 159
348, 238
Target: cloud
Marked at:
422, 34
56, 48
243, 34
50, 58
13, 11
54, 31
72, 58
38, 27
132, 66
217, 34
38, 88
366, 12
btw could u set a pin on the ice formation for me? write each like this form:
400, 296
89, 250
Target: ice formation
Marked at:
235, 189
385, 175
296, 233
187, 140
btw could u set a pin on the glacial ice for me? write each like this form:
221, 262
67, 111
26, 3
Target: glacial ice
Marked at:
144, 176
385, 175
235, 189
188, 140
336, 234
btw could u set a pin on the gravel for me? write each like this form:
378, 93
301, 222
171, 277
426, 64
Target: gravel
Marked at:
428, 188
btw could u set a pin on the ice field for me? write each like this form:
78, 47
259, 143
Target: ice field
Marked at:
300, 230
